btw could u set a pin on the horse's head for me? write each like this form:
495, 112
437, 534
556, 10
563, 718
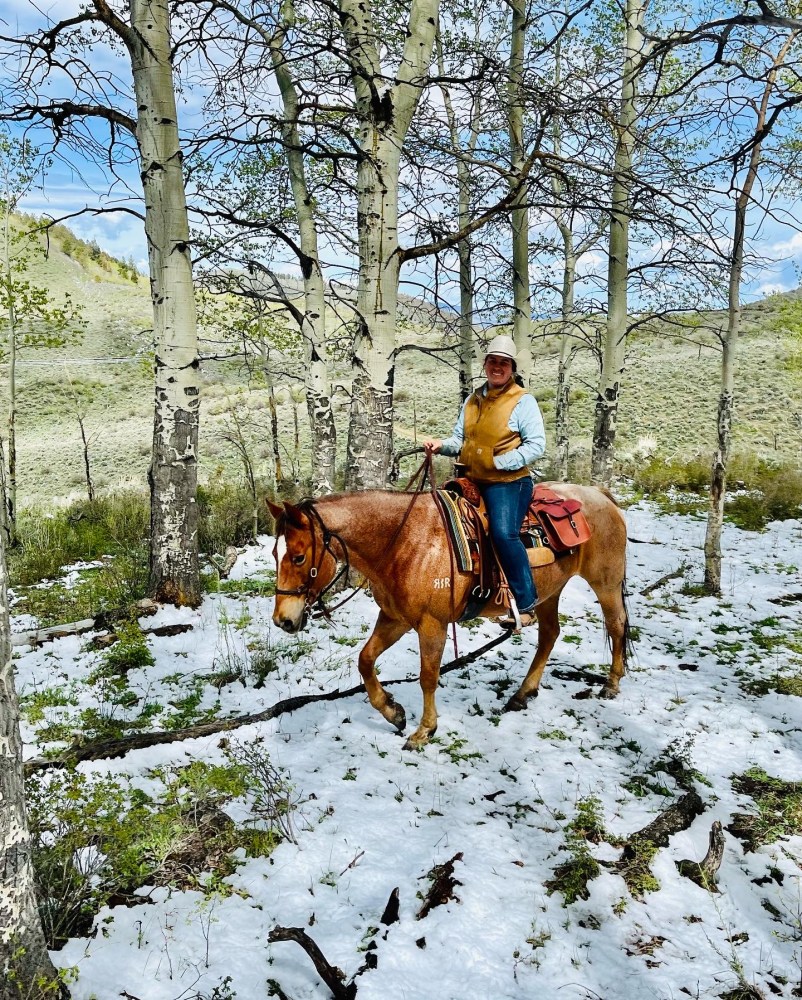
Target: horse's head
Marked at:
305, 564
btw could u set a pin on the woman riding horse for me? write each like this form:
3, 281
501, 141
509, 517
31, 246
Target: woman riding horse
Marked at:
498, 434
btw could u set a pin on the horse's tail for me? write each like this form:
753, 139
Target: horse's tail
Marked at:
629, 645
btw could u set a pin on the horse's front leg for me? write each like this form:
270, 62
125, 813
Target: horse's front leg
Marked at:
432, 637
386, 632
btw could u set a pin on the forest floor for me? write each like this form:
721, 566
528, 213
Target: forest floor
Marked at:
489, 830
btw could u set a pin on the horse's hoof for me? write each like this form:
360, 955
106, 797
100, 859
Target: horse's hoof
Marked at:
419, 738
398, 718
608, 692
515, 704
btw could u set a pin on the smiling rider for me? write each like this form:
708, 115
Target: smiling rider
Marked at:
498, 434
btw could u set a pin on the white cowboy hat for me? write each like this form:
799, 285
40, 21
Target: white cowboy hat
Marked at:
502, 346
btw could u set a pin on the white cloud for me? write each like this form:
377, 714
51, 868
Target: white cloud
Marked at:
773, 287
786, 248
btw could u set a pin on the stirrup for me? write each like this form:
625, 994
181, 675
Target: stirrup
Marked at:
525, 619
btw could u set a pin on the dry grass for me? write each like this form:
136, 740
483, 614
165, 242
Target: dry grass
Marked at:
669, 394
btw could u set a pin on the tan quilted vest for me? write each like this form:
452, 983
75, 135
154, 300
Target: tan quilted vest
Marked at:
487, 434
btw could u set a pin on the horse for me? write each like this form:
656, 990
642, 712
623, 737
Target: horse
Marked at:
399, 545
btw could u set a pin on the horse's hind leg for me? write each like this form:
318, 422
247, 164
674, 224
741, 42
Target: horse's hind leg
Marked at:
616, 622
432, 637
386, 632
548, 628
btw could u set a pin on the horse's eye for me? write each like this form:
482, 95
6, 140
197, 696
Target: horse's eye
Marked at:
299, 560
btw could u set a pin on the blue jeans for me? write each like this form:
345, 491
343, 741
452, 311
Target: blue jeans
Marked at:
507, 504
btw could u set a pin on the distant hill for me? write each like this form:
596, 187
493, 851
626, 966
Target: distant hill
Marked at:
669, 392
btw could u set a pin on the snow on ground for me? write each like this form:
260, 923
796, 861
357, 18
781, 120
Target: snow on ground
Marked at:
499, 790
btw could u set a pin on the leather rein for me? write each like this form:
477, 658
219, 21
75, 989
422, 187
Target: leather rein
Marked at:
314, 601
311, 600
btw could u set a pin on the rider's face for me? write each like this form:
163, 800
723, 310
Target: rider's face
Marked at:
498, 370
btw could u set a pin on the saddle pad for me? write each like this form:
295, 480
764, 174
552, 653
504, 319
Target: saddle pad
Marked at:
456, 526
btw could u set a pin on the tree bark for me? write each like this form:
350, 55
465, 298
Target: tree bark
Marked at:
718, 477
272, 408
313, 325
705, 872
173, 475
332, 975
10, 481
465, 342
612, 370
90, 488
562, 402
519, 216
385, 114
24, 960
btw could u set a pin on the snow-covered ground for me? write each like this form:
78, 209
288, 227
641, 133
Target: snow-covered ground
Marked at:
497, 790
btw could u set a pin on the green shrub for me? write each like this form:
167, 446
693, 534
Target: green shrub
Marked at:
775, 493
95, 840
572, 876
113, 524
226, 516
779, 808
130, 651
660, 474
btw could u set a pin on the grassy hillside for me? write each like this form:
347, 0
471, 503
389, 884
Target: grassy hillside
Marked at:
669, 393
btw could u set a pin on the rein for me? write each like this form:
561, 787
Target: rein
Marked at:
305, 590
307, 506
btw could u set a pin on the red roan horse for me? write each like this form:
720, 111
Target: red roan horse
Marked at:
408, 564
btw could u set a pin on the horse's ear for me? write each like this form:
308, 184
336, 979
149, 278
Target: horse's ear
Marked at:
275, 509
294, 515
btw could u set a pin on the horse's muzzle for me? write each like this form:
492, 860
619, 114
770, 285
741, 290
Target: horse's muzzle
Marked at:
290, 623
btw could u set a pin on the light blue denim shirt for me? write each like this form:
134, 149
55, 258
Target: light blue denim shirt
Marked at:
525, 420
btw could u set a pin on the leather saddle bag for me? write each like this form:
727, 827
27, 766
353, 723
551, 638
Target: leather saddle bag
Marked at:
561, 519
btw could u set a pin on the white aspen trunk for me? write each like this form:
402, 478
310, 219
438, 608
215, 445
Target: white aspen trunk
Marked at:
718, 477
613, 354
562, 402
562, 218
174, 573
465, 341
519, 216
10, 488
370, 431
24, 960
386, 113
313, 326
273, 411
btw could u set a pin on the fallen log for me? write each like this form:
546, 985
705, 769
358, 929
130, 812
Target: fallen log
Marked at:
705, 872
331, 975
226, 564
106, 749
442, 888
634, 865
673, 575
677, 817
36, 636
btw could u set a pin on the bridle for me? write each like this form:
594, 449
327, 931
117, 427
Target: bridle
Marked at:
312, 599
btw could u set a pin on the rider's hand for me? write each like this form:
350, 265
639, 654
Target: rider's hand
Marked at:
433, 445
